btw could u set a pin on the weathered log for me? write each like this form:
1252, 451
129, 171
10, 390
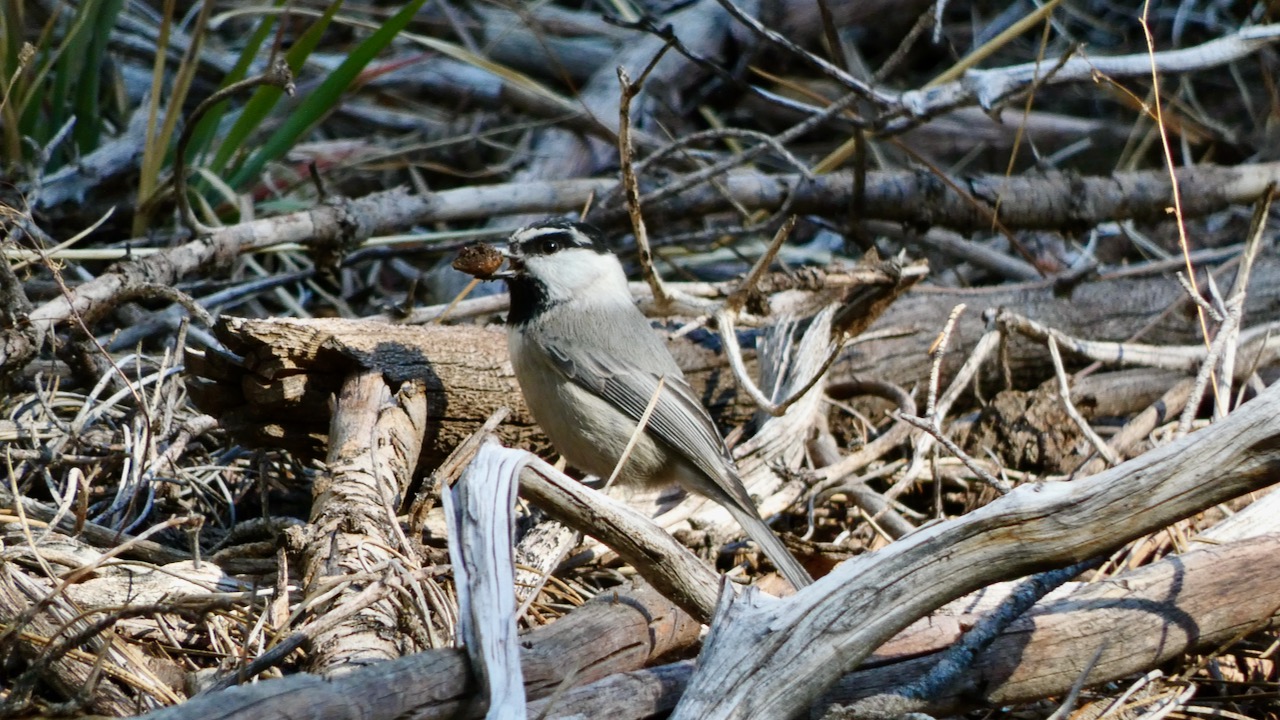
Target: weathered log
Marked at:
614, 633
1137, 620
376, 438
276, 392
776, 659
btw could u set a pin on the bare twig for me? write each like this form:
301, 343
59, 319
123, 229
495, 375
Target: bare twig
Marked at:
15, 624
1184, 358
923, 22
636, 434
1239, 289
856, 86
931, 422
738, 298
278, 75
631, 185
1064, 392
987, 344
1226, 332
1193, 294
937, 352
728, 335
989, 87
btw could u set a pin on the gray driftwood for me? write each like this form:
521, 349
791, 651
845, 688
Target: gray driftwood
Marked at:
774, 659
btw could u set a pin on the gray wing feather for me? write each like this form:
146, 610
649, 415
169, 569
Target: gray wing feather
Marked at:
679, 420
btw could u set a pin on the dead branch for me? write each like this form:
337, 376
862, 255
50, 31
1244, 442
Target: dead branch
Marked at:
617, 632
375, 440
1139, 619
275, 393
1132, 622
480, 509
109, 677
1117, 310
989, 87
774, 660
1027, 202
674, 571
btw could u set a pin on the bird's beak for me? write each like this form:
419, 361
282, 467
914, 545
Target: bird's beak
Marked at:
513, 264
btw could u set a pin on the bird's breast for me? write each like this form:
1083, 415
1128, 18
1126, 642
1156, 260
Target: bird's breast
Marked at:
588, 430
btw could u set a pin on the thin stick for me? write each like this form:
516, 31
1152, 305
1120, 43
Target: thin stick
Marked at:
929, 425
1158, 108
930, 422
1239, 290
738, 298
1204, 377
937, 351
728, 338
864, 90
987, 344
994, 44
631, 186
639, 432
1064, 392
456, 299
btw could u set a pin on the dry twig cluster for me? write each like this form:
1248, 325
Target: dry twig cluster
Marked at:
1064, 363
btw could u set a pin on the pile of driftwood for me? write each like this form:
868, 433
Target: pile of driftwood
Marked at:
381, 403
780, 656
1024, 443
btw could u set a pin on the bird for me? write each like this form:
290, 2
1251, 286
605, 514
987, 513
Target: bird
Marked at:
589, 364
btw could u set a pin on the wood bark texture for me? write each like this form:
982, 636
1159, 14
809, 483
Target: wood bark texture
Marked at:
774, 659
276, 391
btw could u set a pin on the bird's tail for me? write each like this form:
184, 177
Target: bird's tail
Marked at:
772, 546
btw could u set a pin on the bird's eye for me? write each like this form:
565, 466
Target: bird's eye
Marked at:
548, 245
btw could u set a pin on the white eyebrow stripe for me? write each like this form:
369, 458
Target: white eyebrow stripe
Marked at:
529, 233
572, 234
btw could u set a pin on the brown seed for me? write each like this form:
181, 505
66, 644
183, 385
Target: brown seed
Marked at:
480, 260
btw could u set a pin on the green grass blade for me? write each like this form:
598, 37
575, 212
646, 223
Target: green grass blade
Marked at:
264, 99
30, 94
152, 150
11, 24
202, 136
326, 97
88, 101
68, 69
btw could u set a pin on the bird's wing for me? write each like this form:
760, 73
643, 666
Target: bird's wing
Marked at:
679, 420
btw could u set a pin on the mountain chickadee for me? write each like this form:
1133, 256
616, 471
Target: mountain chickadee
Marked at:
589, 364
